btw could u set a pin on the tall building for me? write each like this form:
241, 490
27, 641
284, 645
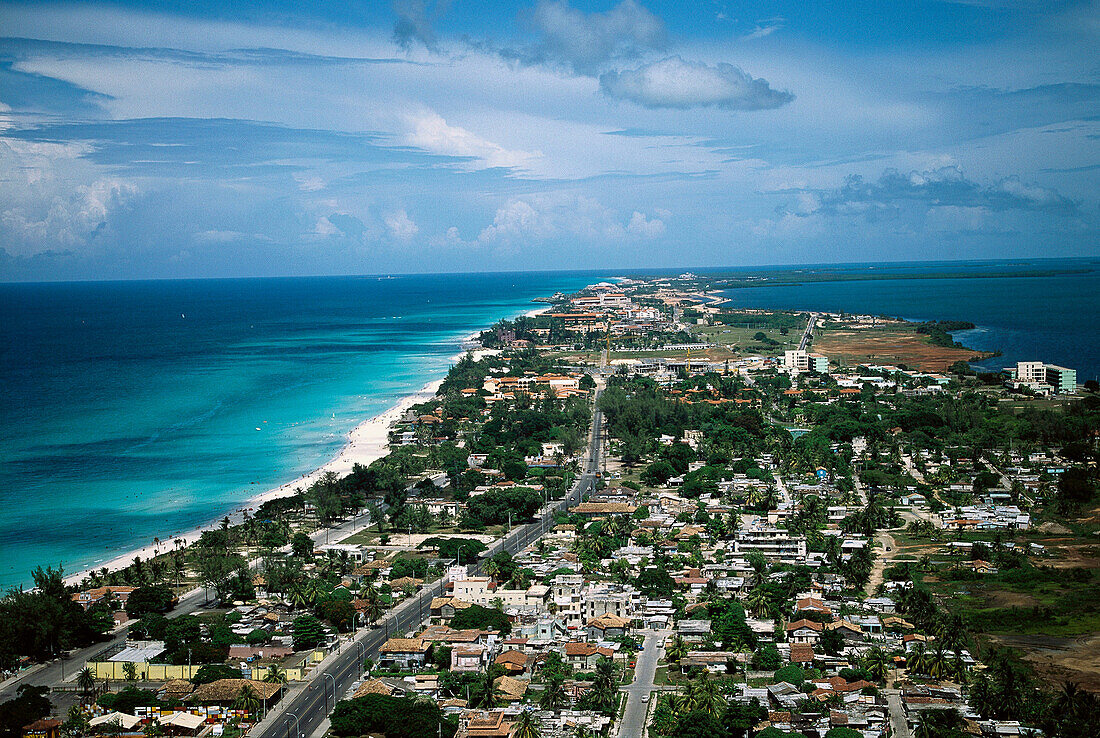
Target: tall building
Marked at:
802, 361
1031, 372
1063, 380
1050, 377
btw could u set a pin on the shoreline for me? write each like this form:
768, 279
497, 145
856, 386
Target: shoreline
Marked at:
366, 442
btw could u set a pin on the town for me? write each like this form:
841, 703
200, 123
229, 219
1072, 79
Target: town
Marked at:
637, 512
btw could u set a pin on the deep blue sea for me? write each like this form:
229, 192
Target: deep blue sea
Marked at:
130, 409
1055, 319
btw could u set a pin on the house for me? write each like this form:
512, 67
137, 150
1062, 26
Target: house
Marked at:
94, 596
607, 626
374, 686
43, 728
603, 508
848, 631
183, 723
802, 654
467, 657
812, 604
514, 662
488, 725
804, 631
404, 653
510, 689
447, 607
584, 656
226, 691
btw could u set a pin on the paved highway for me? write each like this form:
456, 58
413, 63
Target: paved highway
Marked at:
307, 705
637, 711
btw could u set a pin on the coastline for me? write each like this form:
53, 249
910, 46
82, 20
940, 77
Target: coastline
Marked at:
366, 442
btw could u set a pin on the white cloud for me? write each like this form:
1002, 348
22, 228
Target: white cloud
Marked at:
400, 225
680, 84
324, 227
53, 199
587, 41
554, 215
430, 132
646, 228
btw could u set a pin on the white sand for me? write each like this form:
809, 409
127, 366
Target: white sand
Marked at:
366, 442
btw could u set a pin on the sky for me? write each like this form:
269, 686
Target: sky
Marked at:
214, 138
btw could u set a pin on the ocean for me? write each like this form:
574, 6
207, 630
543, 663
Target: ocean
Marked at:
1053, 318
140, 409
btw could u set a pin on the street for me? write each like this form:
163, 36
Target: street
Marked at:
634, 717
306, 706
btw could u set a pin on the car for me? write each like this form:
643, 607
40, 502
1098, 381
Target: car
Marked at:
645, 698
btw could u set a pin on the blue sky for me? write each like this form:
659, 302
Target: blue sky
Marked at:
197, 139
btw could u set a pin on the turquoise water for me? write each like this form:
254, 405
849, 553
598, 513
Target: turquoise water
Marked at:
1051, 318
130, 409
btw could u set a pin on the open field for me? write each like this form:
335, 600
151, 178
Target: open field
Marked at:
742, 338
893, 345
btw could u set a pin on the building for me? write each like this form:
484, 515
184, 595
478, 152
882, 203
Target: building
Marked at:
404, 653
1039, 376
803, 361
1063, 380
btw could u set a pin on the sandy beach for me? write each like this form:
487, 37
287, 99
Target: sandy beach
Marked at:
366, 442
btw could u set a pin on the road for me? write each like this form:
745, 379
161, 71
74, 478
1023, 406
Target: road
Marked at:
636, 713
306, 706
808, 333
56, 671
899, 726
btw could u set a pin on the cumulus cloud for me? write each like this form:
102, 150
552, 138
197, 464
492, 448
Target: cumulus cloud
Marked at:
400, 225
416, 21
430, 132
639, 225
676, 83
586, 42
53, 199
549, 216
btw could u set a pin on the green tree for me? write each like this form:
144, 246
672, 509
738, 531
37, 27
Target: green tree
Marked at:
526, 726
301, 545
247, 700
152, 598
307, 632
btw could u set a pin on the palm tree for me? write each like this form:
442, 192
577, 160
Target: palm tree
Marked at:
492, 569
275, 675
298, 595
247, 700
917, 659
678, 649
938, 662
372, 607
487, 697
703, 695
76, 723
757, 600
526, 726
85, 680
877, 663
553, 696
